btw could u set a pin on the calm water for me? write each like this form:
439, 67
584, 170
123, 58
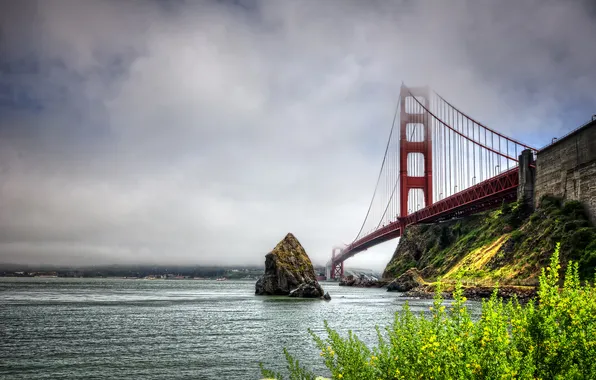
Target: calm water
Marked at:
160, 329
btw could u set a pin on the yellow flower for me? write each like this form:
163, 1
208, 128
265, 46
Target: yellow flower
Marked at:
339, 376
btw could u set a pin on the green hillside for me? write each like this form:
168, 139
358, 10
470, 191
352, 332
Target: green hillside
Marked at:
509, 245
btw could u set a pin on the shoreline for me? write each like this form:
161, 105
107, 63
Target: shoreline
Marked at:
478, 293
474, 293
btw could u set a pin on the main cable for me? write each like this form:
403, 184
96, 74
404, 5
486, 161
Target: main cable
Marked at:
380, 171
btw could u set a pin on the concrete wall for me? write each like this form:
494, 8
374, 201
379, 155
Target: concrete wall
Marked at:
567, 168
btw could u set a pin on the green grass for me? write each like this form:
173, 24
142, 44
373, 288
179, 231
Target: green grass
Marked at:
467, 246
553, 338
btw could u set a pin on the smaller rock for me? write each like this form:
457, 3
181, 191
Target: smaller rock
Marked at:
361, 282
409, 280
327, 297
260, 286
310, 289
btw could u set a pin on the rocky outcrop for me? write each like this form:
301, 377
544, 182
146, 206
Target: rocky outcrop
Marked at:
407, 281
361, 282
289, 271
422, 244
508, 246
308, 290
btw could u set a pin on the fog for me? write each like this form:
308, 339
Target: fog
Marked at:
201, 132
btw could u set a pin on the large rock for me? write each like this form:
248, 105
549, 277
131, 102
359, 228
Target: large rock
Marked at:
407, 281
288, 268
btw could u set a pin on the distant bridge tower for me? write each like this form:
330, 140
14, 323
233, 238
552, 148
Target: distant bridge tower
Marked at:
335, 269
415, 149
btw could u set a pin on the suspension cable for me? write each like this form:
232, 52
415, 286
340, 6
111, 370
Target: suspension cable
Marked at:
380, 171
460, 134
483, 126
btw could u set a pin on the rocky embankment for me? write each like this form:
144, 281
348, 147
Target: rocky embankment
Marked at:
476, 293
508, 246
289, 271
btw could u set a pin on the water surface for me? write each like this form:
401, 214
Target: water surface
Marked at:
171, 329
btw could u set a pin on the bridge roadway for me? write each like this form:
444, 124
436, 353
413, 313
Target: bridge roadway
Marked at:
486, 195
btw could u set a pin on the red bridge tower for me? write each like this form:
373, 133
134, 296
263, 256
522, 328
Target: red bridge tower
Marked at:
415, 138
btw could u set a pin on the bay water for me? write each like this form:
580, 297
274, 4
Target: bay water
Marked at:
61, 328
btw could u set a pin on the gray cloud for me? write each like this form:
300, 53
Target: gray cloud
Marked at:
204, 131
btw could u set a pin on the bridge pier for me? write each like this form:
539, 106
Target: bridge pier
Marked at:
527, 178
335, 269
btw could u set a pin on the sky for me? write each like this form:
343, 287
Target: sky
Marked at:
201, 132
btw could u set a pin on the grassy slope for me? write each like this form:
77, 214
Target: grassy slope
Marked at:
509, 245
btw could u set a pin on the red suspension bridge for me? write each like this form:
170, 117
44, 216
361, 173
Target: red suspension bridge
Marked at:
438, 165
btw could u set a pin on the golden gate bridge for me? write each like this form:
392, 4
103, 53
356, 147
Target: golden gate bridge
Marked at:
439, 164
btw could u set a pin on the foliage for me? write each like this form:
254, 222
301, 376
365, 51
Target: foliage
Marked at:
291, 256
554, 338
508, 245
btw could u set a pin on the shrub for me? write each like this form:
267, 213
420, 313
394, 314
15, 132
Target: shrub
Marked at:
516, 236
574, 209
549, 201
554, 338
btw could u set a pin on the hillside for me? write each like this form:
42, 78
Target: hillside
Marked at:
508, 246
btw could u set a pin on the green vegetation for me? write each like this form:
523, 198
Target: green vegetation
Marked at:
508, 245
554, 338
292, 257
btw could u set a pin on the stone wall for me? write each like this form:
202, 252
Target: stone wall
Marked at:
567, 168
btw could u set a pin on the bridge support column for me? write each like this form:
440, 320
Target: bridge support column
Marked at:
336, 268
337, 271
415, 136
527, 178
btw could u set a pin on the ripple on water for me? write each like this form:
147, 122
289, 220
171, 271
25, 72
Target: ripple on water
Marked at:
113, 328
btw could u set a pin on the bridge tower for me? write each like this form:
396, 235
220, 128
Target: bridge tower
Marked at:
337, 269
415, 135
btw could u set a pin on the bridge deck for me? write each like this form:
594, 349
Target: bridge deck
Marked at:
485, 195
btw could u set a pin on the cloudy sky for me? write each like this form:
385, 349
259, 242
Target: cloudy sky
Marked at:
204, 131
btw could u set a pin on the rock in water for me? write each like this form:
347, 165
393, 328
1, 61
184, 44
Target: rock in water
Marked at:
308, 290
288, 268
407, 281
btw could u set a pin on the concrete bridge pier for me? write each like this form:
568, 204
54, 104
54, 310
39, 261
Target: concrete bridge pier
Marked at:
527, 178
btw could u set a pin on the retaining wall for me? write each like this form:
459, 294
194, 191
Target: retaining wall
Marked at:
567, 168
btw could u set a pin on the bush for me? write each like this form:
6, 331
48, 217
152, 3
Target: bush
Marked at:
516, 236
574, 209
549, 201
552, 339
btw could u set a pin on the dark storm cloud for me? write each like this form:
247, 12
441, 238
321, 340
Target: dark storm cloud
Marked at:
204, 131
